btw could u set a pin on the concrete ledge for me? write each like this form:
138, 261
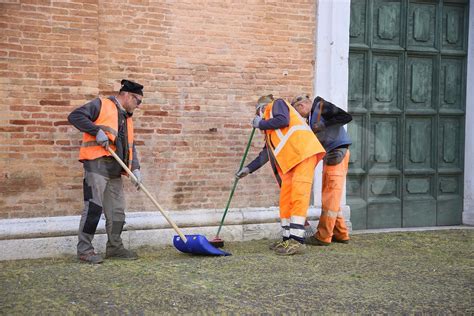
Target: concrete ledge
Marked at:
30, 238
32, 248
68, 225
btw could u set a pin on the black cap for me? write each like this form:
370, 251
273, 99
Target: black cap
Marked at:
130, 86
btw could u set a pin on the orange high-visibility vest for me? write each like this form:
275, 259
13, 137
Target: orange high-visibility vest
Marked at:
108, 122
292, 144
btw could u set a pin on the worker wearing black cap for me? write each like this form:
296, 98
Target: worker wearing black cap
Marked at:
106, 122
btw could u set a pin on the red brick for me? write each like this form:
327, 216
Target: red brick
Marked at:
38, 142
202, 77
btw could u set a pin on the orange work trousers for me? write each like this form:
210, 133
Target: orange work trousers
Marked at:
295, 192
331, 221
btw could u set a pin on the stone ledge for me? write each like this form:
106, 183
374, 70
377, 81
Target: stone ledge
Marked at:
31, 238
67, 225
33, 248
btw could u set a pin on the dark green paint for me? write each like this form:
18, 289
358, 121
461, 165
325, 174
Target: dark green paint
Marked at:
407, 69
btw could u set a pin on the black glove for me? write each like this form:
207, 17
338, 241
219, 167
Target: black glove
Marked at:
318, 127
335, 156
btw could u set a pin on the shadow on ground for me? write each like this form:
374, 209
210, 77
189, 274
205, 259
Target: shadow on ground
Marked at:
411, 272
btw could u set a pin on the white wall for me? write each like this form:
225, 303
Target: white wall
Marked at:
332, 62
468, 214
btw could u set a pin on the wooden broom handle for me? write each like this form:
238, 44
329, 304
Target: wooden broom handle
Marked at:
142, 187
321, 105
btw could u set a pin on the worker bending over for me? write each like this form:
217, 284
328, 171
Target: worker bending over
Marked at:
326, 121
293, 151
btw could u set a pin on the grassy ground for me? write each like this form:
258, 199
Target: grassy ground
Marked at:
417, 272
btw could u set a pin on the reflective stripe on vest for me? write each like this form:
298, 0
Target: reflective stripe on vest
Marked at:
303, 121
284, 138
108, 129
108, 122
292, 144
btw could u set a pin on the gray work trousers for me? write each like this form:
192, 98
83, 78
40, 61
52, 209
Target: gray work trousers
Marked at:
101, 194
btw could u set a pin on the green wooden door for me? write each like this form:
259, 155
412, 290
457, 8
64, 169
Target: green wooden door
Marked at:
407, 74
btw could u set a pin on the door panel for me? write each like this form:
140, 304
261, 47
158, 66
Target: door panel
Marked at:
385, 207
450, 143
451, 85
384, 215
357, 80
356, 199
386, 82
422, 26
419, 205
384, 145
419, 213
454, 27
420, 83
356, 130
358, 26
449, 200
387, 23
418, 151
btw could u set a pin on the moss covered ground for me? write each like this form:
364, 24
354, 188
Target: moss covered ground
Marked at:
391, 273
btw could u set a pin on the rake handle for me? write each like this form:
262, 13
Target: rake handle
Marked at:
142, 187
235, 182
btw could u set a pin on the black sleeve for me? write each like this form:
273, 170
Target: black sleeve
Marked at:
83, 117
258, 162
281, 116
332, 114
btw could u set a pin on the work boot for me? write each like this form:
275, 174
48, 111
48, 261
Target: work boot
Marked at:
90, 257
290, 247
341, 241
121, 253
313, 241
276, 244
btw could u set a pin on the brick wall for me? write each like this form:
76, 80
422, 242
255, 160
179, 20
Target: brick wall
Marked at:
203, 65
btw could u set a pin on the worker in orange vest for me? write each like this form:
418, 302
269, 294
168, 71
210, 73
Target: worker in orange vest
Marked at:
106, 122
294, 151
326, 121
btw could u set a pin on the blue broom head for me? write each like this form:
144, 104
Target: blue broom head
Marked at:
198, 245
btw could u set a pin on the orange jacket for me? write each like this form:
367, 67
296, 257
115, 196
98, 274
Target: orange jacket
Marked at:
292, 144
108, 122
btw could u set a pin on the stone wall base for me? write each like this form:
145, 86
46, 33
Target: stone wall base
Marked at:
57, 236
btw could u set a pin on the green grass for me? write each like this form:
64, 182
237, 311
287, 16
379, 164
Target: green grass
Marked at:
412, 272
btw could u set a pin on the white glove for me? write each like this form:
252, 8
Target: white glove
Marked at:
256, 121
102, 139
242, 173
137, 175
